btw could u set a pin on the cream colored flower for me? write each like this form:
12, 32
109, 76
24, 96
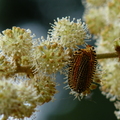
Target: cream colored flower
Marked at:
19, 96
111, 67
108, 35
16, 43
114, 10
45, 87
96, 22
111, 84
17, 100
7, 68
49, 56
104, 21
68, 33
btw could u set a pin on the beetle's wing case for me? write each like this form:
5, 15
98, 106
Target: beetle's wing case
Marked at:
81, 69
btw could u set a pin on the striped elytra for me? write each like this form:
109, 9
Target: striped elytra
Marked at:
82, 66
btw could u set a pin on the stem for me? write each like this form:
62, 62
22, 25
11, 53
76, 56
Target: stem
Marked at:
22, 69
107, 55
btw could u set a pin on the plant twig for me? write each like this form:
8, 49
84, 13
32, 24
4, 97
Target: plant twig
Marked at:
107, 55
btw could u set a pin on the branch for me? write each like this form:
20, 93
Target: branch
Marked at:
107, 55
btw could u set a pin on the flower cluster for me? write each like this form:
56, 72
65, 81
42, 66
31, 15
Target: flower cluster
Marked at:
45, 88
114, 13
69, 33
16, 99
19, 42
50, 56
104, 23
96, 22
28, 67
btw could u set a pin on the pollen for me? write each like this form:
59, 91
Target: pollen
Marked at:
82, 67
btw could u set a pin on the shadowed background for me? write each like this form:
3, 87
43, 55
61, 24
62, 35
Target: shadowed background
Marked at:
36, 15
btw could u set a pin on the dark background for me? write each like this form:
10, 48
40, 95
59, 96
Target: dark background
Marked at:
36, 15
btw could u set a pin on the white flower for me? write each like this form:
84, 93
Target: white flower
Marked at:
17, 100
49, 56
17, 44
68, 33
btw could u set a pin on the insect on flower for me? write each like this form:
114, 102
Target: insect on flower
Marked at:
82, 67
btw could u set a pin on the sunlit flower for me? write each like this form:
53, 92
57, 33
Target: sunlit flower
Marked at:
114, 10
17, 100
16, 43
110, 84
49, 56
108, 35
68, 33
7, 68
103, 19
45, 87
96, 22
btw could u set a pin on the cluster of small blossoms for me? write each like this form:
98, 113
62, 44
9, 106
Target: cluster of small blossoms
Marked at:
45, 86
16, 99
50, 56
108, 35
68, 33
6, 67
110, 85
15, 47
19, 42
19, 96
96, 22
108, 13
114, 10
28, 67
20, 90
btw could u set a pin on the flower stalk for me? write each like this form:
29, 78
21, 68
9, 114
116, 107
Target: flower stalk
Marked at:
107, 55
